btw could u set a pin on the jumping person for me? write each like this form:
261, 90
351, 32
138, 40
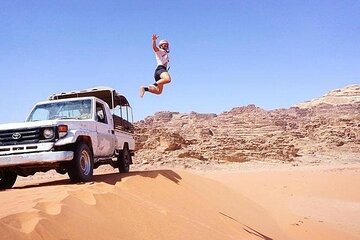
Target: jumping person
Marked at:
161, 74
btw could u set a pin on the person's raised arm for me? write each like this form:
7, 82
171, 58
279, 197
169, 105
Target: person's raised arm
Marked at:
154, 38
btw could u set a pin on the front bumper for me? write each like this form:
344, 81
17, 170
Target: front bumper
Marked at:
35, 158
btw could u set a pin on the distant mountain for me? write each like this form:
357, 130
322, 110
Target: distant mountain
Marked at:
346, 95
251, 133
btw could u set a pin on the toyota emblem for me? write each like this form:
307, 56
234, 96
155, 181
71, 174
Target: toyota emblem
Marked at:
16, 136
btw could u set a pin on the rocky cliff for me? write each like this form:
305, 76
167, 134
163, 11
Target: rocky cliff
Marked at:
346, 95
251, 133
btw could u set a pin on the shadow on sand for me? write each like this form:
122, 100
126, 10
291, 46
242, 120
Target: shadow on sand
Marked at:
248, 229
110, 178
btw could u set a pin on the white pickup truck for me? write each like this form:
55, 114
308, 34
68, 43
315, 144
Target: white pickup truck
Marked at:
73, 132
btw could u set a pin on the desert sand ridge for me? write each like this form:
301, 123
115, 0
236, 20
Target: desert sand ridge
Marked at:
261, 203
161, 204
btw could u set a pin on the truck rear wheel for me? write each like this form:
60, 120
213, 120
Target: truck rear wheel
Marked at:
124, 160
82, 166
7, 179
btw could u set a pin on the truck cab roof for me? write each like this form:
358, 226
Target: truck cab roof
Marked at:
107, 94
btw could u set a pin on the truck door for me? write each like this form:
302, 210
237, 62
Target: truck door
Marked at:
105, 135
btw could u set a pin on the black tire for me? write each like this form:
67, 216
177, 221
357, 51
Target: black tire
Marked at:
82, 166
124, 160
7, 179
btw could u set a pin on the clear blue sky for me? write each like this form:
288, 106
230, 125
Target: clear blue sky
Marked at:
224, 54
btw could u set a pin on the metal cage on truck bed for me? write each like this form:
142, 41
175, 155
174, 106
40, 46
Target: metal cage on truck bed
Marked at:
121, 109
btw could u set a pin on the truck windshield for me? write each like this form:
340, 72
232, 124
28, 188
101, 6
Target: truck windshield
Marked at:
79, 109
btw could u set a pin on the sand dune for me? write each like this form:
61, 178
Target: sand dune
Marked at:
307, 203
178, 204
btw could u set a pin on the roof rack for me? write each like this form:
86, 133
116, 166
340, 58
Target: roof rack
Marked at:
107, 94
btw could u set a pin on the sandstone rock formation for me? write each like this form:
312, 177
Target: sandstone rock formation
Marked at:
347, 95
250, 133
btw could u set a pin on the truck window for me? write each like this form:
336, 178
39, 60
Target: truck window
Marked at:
76, 109
100, 113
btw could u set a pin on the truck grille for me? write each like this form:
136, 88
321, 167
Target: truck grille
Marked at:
19, 136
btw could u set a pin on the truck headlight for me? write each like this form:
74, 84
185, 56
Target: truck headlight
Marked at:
48, 133
62, 129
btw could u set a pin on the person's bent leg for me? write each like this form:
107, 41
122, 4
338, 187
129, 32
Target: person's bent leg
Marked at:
164, 78
152, 89
160, 88
156, 89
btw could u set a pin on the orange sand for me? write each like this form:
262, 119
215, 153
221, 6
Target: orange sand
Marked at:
290, 203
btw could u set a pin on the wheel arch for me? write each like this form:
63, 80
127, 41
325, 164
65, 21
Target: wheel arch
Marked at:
85, 139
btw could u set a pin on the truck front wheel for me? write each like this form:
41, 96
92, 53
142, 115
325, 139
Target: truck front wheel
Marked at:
7, 179
82, 166
124, 160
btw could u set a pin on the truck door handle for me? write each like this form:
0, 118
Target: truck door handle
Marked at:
112, 132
